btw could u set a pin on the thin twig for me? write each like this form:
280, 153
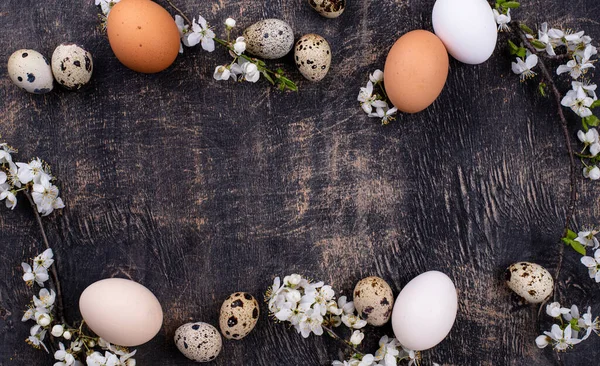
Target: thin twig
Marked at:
337, 337
53, 271
563, 123
179, 11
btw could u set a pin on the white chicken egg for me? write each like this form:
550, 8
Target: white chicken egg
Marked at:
467, 28
425, 311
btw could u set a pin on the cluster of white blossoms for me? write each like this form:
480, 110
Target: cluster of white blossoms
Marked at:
588, 240
34, 177
573, 329
311, 306
590, 140
375, 105
40, 310
389, 353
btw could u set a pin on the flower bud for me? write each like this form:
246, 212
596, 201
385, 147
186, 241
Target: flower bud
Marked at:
44, 320
91, 343
230, 23
57, 330
67, 335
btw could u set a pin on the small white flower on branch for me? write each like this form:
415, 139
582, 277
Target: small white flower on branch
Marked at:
239, 46
376, 76
502, 20
579, 101
386, 114
558, 338
64, 355
46, 299
183, 29
45, 196
578, 65
555, 310
591, 172
593, 265
200, 33
45, 259
38, 274
36, 337
588, 238
43, 319
357, 337
57, 330
222, 73
32, 172
230, 23
8, 195
523, 68
368, 101
250, 72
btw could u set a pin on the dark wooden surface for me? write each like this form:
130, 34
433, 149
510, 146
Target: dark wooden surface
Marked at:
197, 188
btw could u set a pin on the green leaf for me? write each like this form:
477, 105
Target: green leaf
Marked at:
571, 234
522, 52
542, 89
537, 44
591, 121
595, 104
512, 47
500, 1
577, 246
526, 29
511, 5
268, 77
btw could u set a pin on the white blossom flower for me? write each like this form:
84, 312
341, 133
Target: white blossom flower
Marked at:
502, 20
42, 318
36, 337
357, 337
578, 101
46, 299
376, 76
368, 101
13, 177
45, 196
64, 355
562, 338
106, 5
555, 310
250, 72
386, 114
577, 66
230, 23
57, 330
8, 195
367, 360
353, 321
200, 33
222, 73
312, 321
591, 172
29, 314
388, 351
523, 68
593, 265
544, 37
45, 259
588, 238
110, 359
183, 29
67, 335
239, 46
37, 274
5, 153
589, 137
590, 89
292, 280
32, 172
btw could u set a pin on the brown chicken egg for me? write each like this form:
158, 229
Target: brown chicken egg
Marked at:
415, 71
143, 35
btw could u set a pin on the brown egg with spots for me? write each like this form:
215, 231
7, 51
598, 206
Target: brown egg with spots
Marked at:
374, 300
530, 281
312, 55
239, 315
200, 342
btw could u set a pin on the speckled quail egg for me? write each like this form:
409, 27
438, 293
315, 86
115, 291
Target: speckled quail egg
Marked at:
72, 66
328, 8
31, 71
374, 300
200, 342
269, 38
239, 315
530, 281
313, 56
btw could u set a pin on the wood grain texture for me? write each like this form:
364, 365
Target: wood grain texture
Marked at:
197, 188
